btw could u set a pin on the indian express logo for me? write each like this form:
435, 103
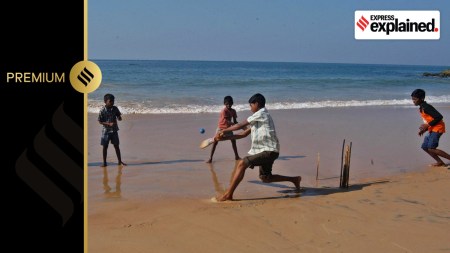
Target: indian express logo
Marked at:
397, 25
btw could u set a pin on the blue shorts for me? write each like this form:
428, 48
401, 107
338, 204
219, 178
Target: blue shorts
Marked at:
109, 137
431, 140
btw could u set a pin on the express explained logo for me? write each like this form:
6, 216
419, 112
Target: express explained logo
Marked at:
397, 25
362, 23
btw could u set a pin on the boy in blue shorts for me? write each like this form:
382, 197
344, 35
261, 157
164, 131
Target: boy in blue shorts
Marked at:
108, 117
265, 147
433, 124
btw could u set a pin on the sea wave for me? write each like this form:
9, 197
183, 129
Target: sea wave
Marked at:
136, 108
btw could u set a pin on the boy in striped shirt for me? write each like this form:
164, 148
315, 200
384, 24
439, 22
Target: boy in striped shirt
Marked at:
265, 147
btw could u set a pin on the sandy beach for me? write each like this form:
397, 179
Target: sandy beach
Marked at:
161, 201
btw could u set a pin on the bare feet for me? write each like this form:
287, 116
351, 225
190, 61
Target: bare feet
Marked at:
208, 161
224, 197
297, 183
104, 165
122, 163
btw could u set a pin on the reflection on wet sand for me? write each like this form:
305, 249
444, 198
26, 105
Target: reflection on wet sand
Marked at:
217, 185
108, 190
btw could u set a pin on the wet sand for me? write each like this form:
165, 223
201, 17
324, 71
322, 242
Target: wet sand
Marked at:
161, 201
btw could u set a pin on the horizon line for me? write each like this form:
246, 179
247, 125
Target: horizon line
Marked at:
394, 64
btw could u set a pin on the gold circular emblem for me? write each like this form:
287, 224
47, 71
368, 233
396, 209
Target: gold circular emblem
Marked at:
85, 76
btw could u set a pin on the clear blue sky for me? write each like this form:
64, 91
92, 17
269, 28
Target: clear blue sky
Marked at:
255, 30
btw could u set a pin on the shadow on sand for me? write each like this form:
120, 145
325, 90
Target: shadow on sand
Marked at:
149, 163
313, 191
317, 191
289, 157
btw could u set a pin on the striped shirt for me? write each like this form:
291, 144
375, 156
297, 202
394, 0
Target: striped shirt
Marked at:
264, 137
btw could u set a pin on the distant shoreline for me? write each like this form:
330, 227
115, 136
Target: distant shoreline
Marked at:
444, 73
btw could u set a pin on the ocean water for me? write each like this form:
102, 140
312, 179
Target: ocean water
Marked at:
200, 86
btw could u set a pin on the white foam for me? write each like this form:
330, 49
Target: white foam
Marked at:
136, 108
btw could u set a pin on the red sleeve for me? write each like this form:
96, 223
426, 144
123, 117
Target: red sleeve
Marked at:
222, 114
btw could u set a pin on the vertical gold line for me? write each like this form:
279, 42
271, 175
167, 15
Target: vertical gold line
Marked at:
85, 30
85, 134
85, 177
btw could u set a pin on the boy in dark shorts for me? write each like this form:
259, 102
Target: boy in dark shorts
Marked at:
433, 124
264, 150
108, 117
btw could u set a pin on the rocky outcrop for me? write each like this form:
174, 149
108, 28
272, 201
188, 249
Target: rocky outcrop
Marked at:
445, 73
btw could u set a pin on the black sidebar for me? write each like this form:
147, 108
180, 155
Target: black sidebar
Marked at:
42, 132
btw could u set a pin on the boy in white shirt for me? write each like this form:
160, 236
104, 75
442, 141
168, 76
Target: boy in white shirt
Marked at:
265, 147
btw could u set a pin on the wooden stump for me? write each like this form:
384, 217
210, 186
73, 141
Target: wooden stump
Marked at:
345, 165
